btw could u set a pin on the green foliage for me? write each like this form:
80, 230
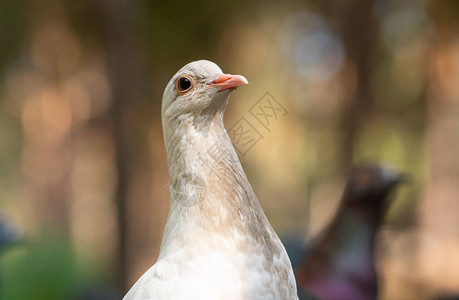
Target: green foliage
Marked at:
46, 270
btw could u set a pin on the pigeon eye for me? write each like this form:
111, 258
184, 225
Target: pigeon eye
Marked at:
184, 84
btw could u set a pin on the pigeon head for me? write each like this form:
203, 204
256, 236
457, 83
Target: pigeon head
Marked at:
197, 92
371, 184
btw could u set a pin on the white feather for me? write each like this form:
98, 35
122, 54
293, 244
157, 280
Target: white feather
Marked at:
217, 244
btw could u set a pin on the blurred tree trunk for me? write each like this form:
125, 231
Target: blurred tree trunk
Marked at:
440, 211
356, 23
123, 69
46, 119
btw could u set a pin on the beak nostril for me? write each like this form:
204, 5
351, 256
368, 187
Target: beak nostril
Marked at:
228, 81
222, 78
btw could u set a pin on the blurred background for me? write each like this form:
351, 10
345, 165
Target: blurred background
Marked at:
83, 174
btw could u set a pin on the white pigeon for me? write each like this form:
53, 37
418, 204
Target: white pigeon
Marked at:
218, 243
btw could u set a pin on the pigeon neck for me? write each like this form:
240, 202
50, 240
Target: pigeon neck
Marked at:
196, 150
343, 255
349, 255
205, 172
355, 238
210, 195
370, 211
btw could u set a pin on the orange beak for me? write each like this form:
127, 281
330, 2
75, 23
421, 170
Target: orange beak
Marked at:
228, 81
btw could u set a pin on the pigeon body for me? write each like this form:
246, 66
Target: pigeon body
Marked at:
340, 263
218, 243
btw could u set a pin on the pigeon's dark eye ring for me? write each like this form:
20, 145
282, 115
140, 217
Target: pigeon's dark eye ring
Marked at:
184, 84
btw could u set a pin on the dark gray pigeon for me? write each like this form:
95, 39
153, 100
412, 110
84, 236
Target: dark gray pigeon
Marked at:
339, 264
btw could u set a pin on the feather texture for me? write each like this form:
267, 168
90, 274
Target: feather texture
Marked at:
218, 243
